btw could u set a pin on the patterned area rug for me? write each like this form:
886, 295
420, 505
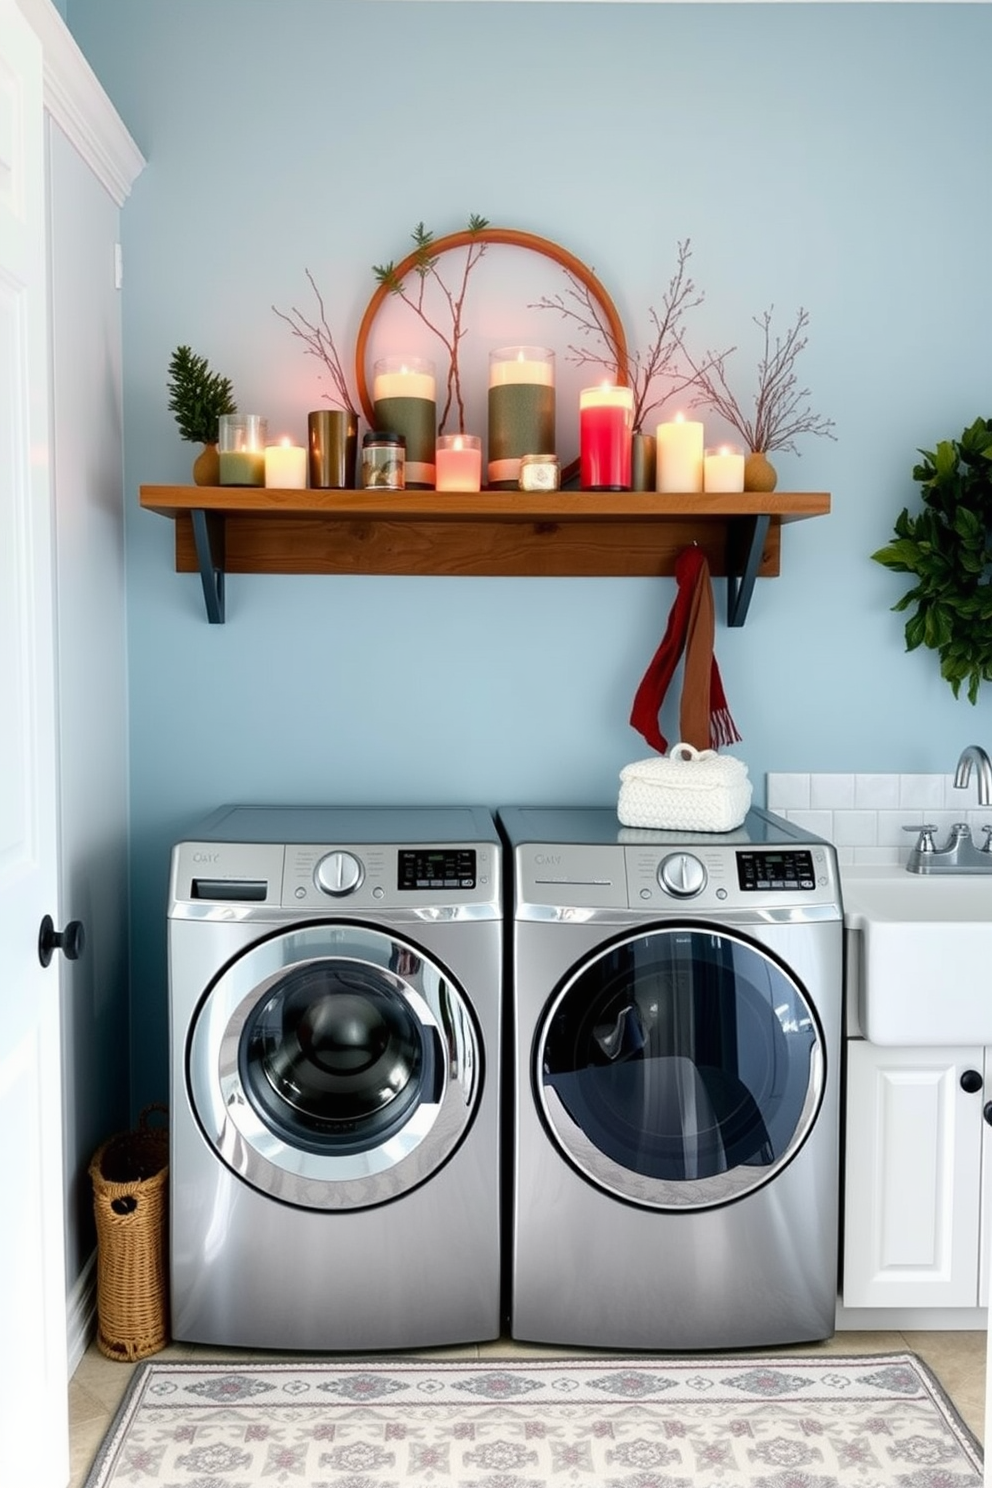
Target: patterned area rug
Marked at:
748, 1422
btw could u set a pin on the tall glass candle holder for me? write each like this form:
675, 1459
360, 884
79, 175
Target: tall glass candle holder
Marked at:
459, 462
404, 398
241, 448
521, 409
679, 455
333, 436
606, 420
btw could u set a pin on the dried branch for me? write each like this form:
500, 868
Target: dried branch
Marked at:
646, 369
319, 342
425, 267
780, 416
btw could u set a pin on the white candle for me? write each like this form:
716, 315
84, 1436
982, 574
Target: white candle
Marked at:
458, 462
286, 466
404, 382
521, 369
680, 455
723, 469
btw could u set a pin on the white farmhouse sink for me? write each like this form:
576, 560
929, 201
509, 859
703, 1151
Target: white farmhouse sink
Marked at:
925, 974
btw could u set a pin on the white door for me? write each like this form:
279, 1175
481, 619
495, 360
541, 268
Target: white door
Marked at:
33, 1365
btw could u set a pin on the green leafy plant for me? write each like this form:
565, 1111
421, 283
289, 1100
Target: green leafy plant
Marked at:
948, 548
198, 396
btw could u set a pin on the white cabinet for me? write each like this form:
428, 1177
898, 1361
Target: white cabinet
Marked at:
916, 1148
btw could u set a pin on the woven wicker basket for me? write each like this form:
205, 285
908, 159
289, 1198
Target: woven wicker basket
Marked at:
130, 1174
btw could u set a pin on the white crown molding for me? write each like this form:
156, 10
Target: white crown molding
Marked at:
79, 105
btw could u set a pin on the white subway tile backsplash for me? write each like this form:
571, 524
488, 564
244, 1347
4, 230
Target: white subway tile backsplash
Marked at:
864, 814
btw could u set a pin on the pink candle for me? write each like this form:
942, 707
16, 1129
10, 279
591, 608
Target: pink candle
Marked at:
458, 462
605, 425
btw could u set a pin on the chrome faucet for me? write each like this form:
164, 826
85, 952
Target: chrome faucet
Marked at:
975, 754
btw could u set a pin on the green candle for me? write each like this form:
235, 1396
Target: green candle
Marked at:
242, 468
521, 409
404, 398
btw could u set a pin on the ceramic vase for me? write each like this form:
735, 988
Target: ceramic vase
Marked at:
206, 466
759, 473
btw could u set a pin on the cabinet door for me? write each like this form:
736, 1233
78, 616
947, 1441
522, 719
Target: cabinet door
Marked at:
913, 1162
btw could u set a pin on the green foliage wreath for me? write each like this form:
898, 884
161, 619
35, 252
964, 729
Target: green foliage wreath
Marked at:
948, 547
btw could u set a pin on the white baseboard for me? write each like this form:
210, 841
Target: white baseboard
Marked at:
911, 1319
81, 1314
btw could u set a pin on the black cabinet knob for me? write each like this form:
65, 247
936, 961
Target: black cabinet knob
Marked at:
69, 941
971, 1081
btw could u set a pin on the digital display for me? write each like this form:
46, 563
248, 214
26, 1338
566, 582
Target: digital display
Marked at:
437, 868
784, 869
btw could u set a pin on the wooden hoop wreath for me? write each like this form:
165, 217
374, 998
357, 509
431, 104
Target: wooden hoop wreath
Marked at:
508, 237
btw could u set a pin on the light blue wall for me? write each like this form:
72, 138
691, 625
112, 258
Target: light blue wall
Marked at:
830, 156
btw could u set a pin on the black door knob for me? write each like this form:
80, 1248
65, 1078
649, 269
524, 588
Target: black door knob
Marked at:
971, 1081
69, 941
987, 1112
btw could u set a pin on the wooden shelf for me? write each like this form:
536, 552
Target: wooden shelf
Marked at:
556, 534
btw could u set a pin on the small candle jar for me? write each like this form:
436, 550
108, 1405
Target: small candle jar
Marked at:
241, 448
539, 473
723, 468
383, 460
404, 391
458, 462
679, 455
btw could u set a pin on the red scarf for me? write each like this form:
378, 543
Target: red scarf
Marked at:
705, 718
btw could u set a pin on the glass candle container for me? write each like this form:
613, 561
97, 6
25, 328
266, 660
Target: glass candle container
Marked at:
521, 409
383, 460
241, 447
679, 455
723, 468
539, 473
404, 392
606, 422
286, 466
458, 462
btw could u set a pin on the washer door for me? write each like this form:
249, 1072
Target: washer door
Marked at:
680, 1068
334, 1067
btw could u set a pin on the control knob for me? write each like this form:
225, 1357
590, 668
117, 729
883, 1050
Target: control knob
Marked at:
682, 875
338, 873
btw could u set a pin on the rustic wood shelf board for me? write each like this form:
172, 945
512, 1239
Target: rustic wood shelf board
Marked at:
557, 534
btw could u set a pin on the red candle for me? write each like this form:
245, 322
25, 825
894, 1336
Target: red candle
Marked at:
606, 416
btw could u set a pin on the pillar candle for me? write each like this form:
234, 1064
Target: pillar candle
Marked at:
723, 469
521, 409
458, 461
286, 466
606, 416
680, 455
404, 396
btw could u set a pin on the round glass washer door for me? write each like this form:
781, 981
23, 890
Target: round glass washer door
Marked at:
680, 1068
334, 1067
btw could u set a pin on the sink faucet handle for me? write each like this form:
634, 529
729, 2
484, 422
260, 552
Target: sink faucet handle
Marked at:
924, 842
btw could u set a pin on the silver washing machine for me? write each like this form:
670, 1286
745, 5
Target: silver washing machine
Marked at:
676, 1056
334, 982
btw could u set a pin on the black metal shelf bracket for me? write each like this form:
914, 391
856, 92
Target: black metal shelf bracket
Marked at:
745, 545
208, 538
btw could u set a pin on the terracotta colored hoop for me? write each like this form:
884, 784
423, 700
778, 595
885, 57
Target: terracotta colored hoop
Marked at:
509, 237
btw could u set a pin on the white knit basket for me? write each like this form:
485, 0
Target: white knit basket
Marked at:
689, 790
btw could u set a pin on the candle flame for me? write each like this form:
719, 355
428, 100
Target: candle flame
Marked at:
459, 443
680, 418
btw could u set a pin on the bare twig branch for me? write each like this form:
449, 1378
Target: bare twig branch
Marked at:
319, 342
781, 413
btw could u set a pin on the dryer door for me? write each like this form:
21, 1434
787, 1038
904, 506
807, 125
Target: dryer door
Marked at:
680, 1068
334, 1066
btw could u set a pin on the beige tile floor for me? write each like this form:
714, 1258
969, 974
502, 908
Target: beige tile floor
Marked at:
957, 1359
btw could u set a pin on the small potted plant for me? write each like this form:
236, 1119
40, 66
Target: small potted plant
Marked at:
198, 398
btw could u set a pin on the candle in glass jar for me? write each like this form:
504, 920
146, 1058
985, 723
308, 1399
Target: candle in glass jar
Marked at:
521, 409
723, 469
458, 462
679, 456
286, 466
606, 416
404, 393
241, 447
